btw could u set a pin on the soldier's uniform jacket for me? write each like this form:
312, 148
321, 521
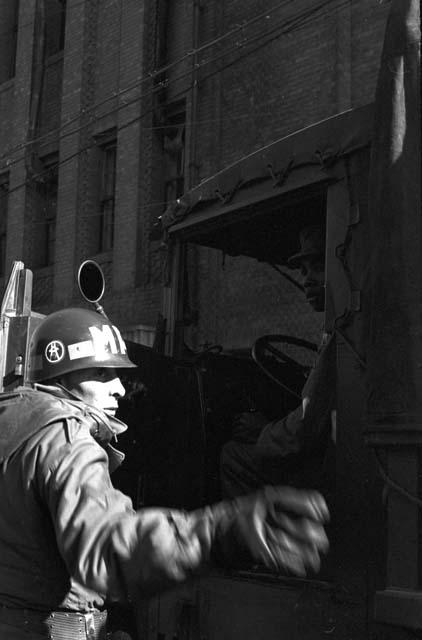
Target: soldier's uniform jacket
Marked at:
61, 516
69, 541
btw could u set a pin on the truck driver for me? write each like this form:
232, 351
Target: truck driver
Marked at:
263, 452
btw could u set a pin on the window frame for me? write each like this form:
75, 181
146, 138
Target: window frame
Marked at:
107, 191
55, 45
174, 150
10, 42
47, 189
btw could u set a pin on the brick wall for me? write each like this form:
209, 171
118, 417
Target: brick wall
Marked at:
17, 102
70, 183
267, 79
282, 76
273, 80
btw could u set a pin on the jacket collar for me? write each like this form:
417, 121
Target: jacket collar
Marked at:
104, 428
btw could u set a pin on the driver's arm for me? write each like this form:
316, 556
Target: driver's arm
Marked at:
281, 438
306, 426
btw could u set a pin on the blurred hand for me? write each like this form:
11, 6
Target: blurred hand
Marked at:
279, 527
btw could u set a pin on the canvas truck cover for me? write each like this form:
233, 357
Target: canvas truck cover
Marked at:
302, 158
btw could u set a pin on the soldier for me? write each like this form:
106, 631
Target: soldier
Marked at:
69, 541
262, 452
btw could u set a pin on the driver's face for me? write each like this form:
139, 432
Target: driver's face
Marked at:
312, 270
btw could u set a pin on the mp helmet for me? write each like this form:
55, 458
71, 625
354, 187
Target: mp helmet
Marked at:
73, 339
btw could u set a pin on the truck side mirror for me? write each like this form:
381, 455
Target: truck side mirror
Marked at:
91, 283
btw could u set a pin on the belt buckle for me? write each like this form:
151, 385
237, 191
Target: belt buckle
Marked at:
89, 625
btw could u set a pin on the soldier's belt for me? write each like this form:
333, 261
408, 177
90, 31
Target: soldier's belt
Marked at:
57, 625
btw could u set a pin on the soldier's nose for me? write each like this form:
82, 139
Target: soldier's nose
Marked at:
117, 389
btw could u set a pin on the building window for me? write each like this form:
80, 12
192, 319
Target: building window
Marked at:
4, 192
55, 26
47, 190
9, 16
107, 195
174, 151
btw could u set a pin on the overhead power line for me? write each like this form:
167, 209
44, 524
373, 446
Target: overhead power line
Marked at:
297, 23
152, 74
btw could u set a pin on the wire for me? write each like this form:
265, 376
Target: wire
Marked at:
156, 88
86, 216
151, 75
148, 77
298, 24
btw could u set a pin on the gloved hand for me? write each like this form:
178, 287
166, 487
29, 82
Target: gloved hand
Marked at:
279, 527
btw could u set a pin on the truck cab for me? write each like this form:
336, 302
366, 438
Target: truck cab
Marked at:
238, 335
237, 338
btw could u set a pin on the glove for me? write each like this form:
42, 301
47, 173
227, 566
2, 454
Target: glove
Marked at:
279, 527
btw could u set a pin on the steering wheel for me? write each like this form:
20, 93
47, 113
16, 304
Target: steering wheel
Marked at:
265, 345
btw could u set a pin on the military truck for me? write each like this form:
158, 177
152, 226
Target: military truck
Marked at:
239, 334
258, 350
232, 313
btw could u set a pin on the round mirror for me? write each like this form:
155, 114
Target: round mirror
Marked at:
91, 281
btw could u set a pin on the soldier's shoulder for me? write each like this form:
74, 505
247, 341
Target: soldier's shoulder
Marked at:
25, 412
35, 399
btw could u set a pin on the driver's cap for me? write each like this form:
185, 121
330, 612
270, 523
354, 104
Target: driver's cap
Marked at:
312, 244
73, 339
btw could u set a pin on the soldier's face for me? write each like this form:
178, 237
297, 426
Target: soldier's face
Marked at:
99, 387
312, 271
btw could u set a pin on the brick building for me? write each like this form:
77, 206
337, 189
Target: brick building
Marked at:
109, 109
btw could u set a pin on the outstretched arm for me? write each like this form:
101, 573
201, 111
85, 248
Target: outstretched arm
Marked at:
109, 547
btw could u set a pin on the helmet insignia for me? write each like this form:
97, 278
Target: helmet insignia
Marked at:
54, 351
